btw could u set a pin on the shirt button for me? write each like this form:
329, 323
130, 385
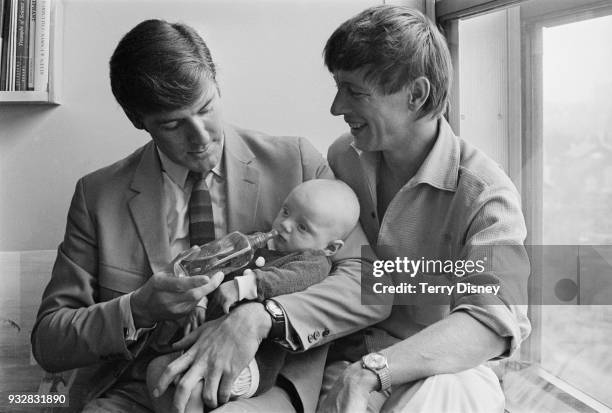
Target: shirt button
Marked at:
373, 214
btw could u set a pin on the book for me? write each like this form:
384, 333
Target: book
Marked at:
4, 39
41, 45
31, 45
10, 82
21, 53
1, 33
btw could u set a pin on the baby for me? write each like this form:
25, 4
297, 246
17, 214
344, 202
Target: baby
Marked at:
312, 224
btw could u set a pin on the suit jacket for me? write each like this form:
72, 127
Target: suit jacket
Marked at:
116, 238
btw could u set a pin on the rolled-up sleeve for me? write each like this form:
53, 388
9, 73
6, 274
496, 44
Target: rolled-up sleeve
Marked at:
495, 237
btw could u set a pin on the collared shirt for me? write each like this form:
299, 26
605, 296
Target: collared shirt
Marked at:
458, 200
176, 193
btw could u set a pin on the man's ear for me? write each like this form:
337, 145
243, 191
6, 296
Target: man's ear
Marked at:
419, 92
333, 247
135, 119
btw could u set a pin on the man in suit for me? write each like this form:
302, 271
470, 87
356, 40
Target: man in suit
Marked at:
111, 284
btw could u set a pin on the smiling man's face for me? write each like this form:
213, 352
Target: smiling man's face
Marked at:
191, 136
378, 122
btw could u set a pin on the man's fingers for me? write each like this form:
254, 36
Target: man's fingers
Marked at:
207, 283
211, 386
188, 340
226, 306
211, 285
172, 370
188, 328
185, 387
225, 388
170, 283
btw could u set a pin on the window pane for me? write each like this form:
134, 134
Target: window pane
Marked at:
577, 197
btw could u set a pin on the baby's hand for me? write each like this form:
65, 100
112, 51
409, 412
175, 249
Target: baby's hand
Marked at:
197, 317
227, 294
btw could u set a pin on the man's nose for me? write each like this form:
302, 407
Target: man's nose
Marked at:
197, 131
338, 106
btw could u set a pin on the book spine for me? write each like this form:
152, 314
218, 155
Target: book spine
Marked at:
20, 52
41, 45
12, 46
1, 37
6, 18
31, 41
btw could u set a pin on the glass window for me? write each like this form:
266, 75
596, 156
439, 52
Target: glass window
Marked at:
533, 92
577, 198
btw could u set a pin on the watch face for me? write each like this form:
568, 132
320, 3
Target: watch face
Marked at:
274, 309
375, 361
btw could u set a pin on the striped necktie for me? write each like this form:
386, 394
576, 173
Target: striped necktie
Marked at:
201, 223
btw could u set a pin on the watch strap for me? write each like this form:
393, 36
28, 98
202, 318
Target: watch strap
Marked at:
383, 373
277, 330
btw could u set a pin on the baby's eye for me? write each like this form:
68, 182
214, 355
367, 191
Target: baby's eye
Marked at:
302, 228
285, 212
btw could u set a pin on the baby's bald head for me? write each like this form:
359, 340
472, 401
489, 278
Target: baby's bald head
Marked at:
334, 202
317, 214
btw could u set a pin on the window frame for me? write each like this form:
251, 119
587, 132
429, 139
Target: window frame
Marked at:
525, 105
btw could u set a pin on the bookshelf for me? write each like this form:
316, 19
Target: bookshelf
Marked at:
51, 96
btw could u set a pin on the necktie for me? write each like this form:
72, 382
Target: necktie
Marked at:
201, 223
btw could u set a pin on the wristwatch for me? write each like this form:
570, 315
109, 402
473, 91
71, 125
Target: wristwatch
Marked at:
277, 331
377, 363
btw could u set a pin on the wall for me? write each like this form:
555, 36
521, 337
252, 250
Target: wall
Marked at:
270, 71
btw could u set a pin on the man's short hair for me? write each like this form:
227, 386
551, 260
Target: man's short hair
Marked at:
158, 66
394, 45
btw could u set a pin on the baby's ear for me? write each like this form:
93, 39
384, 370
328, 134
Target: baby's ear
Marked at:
333, 247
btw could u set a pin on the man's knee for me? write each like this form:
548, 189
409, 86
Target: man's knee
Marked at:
473, 390
274, 400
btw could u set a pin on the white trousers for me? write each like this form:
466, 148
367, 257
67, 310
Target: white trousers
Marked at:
475, 390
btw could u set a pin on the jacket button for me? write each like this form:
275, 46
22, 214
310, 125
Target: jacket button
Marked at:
317, 335
325, 332
310, 338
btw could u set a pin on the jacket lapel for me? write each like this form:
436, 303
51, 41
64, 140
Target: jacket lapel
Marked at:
146, 208
242, 183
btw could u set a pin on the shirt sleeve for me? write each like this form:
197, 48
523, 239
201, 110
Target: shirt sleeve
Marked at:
131, 334
247, 286
288, 275
291, 274
495, 236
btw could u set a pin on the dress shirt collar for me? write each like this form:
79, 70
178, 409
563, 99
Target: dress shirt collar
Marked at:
178, 173
440, 168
